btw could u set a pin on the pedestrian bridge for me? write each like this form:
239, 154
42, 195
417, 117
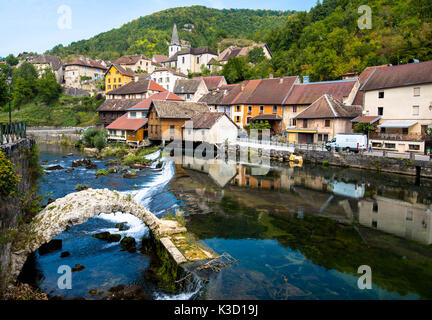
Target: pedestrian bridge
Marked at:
77, 208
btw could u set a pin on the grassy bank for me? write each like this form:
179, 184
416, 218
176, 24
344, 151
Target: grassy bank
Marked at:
67, 112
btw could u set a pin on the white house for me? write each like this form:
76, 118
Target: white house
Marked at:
402, 97
211, 128
167, 77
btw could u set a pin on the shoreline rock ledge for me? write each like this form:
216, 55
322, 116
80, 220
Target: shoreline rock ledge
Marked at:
78, 207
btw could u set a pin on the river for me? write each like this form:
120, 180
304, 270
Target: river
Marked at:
297, 232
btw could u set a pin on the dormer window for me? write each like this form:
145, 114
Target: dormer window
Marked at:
132, 114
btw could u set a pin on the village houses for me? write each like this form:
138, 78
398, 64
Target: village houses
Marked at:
185, 58
120, 99
235, 51
132, 126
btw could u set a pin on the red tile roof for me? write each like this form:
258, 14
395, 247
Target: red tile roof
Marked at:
307, 93
125, 123
364, 76
366, 119
399, 76
161, 96
265, 91
172, 71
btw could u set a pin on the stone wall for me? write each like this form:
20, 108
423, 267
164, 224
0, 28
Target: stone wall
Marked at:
382, 164
14, 210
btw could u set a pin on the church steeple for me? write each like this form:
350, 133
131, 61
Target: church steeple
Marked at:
175, 37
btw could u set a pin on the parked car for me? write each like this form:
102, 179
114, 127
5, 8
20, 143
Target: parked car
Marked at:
348, 142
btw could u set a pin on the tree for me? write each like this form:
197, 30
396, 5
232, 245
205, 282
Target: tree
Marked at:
99, 142
22, 93
3, 91
256, 55
235, 70
260, 125
363, 127
12, 60
26, 71
48, 89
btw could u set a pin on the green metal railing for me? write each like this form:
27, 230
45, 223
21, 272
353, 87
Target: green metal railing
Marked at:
12, 132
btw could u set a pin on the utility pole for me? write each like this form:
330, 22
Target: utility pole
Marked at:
9, 82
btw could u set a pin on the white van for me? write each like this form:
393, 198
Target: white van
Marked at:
348, 141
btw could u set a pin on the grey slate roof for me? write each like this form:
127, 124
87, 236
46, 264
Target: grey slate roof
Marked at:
186, 86
178, 109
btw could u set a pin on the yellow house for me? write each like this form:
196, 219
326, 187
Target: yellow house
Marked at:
117, 76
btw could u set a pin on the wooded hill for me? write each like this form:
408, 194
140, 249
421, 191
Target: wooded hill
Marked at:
151, 34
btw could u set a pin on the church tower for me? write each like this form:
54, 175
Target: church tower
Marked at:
175, 42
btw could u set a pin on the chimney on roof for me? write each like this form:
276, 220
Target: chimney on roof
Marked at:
281, 80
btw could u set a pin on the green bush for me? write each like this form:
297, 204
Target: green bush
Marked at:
99, 142
8, 178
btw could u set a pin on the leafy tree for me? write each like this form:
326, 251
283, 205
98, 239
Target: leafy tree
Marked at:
99, 142
12, 60
3, 90
26, 71
48, 89
363, 127
260, 125
22, 92
256, 55
236, 69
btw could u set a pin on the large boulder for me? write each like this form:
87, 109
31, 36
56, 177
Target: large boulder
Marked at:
123, 292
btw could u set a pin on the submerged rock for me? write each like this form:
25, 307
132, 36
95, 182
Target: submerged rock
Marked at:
91, 166
122, 226
139, 166
106, 236
79, 187
130, 175
123, 292
57, 167
69, 170
53, 245
64, 254
78, 267
82, 162
128, 244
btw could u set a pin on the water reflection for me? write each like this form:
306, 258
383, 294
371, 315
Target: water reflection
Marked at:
301, 233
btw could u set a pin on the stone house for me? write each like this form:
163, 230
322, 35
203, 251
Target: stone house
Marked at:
137, 63
303, 95
83, 73
47, 62
402, 96
190, 89
324, 119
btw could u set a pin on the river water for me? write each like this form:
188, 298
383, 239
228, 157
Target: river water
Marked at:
297, 232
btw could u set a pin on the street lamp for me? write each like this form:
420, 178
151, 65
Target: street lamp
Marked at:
9, 82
